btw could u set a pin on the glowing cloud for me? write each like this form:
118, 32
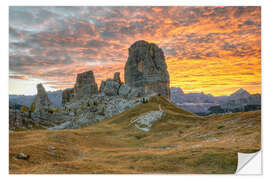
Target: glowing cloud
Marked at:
212, 49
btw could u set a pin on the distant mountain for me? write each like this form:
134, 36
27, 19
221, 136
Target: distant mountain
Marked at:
241, 93
240, 100
200, 102
54, 96
178, 96
194, 102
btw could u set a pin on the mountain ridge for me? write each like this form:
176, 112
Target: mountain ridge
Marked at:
200, 102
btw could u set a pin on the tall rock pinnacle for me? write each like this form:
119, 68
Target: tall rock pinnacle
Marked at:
41, 100
85, 85
146, 69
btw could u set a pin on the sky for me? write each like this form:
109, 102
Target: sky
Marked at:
213, 50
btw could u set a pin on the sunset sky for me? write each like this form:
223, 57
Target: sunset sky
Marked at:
216, 50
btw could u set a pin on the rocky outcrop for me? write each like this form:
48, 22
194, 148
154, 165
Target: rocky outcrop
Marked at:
124, 90
146, 75
67, 95
146, 69
145, 121
116, 77
85, 85
110, 87
96, 108
41, 100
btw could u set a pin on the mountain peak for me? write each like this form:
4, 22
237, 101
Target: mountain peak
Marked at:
177, 90
240, 93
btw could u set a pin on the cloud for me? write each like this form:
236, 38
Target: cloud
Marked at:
17, 77
55, 43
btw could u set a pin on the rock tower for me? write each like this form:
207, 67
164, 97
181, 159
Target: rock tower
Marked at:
85, 86
146, 69
41, 100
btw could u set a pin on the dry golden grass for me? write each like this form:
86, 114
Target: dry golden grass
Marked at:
181, 142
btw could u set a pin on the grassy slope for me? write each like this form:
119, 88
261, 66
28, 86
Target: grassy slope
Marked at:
181, 142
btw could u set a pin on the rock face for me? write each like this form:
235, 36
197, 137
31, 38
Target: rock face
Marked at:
116, 77
96, 108
85, 85
67, 95
146, 69
41, 100
124, 90
110, 87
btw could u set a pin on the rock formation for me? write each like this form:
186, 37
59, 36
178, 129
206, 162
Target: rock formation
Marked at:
146, 75
85, 85
116, 77
67, 95
110, 87
124, 90
145, 121
146, 69
41, 100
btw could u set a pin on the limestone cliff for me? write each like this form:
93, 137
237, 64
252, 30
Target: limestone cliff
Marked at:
85, 85
146, 69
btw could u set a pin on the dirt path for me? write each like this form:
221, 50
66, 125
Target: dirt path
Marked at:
159, 106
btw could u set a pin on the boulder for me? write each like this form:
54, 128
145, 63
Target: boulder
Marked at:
22, 156
124, 90
134, 93
146, 69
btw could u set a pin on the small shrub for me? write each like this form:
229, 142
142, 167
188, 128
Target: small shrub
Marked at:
32, 107
30, 114
75, 112
57, 110
102, 113
140, 136
24, 108
144, 100
50, 110
95, 103
221, 126
82, 107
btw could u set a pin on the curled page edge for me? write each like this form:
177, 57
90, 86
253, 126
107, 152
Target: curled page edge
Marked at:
249, 163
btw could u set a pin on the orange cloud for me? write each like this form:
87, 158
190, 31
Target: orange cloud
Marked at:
216, 50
